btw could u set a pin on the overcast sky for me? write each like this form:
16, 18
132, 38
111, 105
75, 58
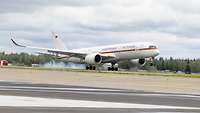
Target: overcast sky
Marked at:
174, 25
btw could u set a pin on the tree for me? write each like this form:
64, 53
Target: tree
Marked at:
188, 68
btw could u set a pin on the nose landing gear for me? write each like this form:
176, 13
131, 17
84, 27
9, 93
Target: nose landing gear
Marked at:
152, 61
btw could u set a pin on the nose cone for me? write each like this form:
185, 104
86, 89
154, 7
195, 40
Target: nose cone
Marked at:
157, 52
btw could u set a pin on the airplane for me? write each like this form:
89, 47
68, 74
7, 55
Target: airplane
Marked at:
93, 57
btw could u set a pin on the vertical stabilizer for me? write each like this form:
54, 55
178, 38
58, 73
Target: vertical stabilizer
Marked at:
58, 43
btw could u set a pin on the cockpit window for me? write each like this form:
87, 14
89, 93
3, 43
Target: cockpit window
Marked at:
152, 46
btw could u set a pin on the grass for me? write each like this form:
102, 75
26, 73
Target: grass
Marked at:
142, 73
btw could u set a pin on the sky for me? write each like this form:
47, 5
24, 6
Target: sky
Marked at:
174, 25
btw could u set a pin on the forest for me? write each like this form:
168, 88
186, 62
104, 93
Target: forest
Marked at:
160, 64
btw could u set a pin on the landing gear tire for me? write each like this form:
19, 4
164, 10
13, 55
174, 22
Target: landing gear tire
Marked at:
112, 69
90, 67
93, 68
87, 67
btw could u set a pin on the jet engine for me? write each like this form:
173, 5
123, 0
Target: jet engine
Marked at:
93, 59
138, 62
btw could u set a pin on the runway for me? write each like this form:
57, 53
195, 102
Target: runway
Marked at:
44, 98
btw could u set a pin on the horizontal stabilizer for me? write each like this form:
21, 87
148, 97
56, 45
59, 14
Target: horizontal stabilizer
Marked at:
14, 42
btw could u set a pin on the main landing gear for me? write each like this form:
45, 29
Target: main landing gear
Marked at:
90, 67
110, 67
113, 67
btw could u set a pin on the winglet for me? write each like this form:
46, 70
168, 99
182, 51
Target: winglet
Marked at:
14, 42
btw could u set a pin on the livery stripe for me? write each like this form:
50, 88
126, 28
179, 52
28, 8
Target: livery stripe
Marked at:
126, 50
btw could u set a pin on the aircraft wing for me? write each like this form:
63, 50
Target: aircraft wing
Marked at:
59, 53
53, 51
53, 55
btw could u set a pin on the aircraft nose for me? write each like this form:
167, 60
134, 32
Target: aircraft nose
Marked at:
157, 52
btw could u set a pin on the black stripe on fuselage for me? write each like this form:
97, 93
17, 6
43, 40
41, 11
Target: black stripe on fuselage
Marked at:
126, 50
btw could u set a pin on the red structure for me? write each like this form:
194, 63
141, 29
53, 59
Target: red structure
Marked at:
3, 63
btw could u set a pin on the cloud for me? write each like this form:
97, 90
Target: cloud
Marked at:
173, 25
25, 6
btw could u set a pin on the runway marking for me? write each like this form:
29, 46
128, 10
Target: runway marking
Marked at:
171, 95
89, 91
21, 101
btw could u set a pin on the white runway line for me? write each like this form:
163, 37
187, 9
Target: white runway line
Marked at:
170, 95
21, 101
105, 91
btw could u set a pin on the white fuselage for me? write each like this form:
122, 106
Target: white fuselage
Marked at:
120, 52
102, 54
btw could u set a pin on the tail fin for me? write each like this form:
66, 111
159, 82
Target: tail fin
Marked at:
58, 42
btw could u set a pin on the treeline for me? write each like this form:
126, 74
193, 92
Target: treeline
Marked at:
176, 65
161, 64
164, 64
24, 59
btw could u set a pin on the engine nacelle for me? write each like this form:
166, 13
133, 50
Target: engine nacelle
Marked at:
138, 62
93, 59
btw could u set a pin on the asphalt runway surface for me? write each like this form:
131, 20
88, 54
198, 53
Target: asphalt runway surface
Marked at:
44, 98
